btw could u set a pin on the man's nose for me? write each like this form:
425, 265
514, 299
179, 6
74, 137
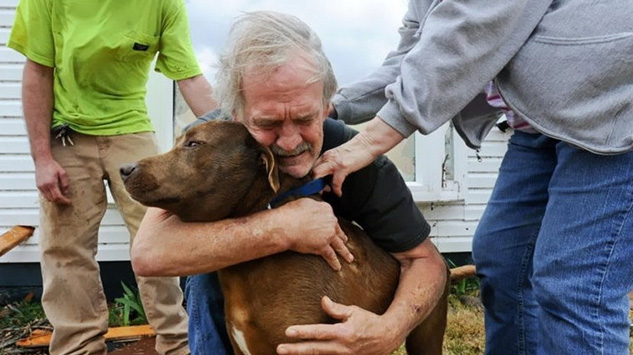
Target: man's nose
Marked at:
289, 138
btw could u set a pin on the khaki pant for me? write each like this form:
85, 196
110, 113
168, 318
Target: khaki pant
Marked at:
73, 297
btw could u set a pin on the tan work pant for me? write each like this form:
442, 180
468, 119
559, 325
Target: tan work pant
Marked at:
73, 297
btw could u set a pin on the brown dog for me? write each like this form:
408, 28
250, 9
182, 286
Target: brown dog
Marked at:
192, 181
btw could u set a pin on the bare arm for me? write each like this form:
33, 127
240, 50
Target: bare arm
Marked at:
37, 101
422, 282
166, 246
198, 94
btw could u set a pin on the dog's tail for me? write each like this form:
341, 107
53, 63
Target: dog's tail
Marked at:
462, 272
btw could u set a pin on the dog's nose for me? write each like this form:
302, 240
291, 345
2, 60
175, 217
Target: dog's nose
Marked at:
127, 170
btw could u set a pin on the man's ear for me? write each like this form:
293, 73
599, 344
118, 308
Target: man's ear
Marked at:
271, 167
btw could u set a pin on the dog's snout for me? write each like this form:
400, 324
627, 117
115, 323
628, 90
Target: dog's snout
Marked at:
127, 170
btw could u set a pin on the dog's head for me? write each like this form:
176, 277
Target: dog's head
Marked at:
207, 175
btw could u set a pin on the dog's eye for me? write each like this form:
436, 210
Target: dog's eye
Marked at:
192, 144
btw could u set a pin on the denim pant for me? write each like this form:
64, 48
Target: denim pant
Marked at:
554, 250
205, 305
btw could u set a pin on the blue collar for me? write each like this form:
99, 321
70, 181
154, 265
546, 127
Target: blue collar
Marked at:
311, 188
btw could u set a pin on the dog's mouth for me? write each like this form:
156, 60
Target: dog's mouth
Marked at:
162, 202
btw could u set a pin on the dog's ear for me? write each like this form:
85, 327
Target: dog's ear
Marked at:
268, 158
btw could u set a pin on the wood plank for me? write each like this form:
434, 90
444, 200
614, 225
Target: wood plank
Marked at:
482, 180
6, 17
21, 163
11, 72
489, 164
42, 338
9, 3
9, 55
12, 126
4, 35
31, 217
17, 182
13, 237
10, 109
10, 91
462, 272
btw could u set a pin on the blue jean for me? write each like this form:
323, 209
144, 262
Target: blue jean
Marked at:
554, 250
205, 306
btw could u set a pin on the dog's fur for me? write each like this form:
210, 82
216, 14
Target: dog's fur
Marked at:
217, 171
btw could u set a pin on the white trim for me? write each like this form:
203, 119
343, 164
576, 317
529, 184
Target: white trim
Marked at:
160, 107
453, 244
430, 153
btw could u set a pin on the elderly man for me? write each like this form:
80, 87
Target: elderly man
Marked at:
276, 80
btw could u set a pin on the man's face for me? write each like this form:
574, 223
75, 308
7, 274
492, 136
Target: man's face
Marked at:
284, 113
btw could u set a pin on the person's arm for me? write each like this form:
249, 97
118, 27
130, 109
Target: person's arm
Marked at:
377, 138
360, 100
422, 283
37, 102
198, 94
166, 246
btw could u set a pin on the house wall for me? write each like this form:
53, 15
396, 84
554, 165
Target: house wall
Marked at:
453, 223
18, 194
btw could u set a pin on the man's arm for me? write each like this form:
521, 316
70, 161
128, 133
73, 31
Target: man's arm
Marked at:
198, 94
37, 102
166, 246
422, 283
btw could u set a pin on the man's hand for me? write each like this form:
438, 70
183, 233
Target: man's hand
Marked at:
52, 182
360, 151
359, 332
322, 235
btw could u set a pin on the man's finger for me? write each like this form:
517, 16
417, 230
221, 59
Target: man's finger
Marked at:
311, 348
312, 331
336, 310
341, 249
337, 182
330, 256
341, 234
64, 184
57, 196
323, 168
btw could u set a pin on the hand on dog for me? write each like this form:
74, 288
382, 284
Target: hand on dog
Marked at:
318, 234
360, 332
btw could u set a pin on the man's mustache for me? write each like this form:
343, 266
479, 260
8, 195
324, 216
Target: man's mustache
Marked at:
280, 152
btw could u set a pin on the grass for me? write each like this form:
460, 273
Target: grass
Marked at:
464, 334
127, 310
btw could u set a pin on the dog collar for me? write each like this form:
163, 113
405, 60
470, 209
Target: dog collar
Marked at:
311, 188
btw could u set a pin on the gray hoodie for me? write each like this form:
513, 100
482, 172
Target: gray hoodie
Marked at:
564, 66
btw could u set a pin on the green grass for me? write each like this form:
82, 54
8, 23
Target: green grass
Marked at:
464, 334
127, 310
21, 313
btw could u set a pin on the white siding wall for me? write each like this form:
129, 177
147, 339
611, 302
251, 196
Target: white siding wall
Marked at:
454, 223
18, 195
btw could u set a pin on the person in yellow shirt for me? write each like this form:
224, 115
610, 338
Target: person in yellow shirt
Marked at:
84, 88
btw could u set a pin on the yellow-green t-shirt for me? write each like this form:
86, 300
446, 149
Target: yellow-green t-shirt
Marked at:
101, 51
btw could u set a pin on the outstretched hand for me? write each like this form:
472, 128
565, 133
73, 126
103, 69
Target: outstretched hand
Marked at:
359, 332
360, 151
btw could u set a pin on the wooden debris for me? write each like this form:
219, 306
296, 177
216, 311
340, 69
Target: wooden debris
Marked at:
462, 272
41, 338
13, 237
